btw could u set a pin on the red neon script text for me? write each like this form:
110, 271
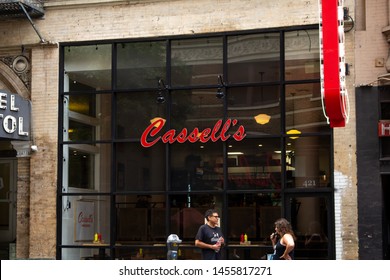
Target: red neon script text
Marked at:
170, 136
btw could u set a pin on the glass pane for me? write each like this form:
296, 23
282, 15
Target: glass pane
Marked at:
310, 224
87, 117
188, 213
87, 167
87, 68
253, 214
254, 164
140, 168
134, 113
256, 108
197, 166
141, 219
304, 109
195, 108
140, 65
196, 61
85, 216
302, 56
254, 58
308, 162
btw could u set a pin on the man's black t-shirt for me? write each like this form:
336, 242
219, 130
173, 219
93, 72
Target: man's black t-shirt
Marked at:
210, 236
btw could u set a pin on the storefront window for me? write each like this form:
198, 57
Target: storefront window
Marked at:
197, 166
87, 167
254, 58
304, 108
140, 64
195, 109
87, 68
302, 55
135, 111
83, 217
256, 108
196, 61
137, 168
254, 164
310, 223
140, 218
308, 162
87, 117
139, 187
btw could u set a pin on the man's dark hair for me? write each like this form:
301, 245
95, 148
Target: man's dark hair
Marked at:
209, 213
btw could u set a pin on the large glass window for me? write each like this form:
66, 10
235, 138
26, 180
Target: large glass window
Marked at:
254, 164
309, 219
140, 64
196, 61
253, 58
256, 108
308, 162
87, 68
147, 145
302, 55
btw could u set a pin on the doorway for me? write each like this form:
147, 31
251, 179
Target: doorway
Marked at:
7, 205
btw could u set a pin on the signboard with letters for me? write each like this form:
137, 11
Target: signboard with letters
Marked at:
384, 128
15, 116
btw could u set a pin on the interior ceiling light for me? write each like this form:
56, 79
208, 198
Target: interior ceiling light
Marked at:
293, 132
262, 118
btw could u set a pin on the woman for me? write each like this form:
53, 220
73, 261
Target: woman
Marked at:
283, 240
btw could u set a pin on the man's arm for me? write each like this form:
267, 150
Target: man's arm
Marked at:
203, 245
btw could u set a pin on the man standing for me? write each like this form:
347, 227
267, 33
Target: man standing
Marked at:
209, 237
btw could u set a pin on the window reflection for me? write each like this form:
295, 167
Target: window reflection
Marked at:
253, 58
304, 108
302, 57
197, 166
195, 108
134, 112
87, 167
88, 215
196, 61
245, 103
310, 225
253, 214
254, 164
140, 218
140, 64
137, 167
308, 162
87, 68
87, 117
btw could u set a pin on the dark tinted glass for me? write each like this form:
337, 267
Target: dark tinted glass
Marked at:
254, 58
196, 61
140, 65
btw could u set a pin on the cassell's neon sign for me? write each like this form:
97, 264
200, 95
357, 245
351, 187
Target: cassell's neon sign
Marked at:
214, 134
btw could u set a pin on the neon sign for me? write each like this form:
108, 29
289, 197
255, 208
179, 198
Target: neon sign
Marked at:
218, 132
334, 94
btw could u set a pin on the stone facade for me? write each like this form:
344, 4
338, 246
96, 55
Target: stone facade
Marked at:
70, 21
